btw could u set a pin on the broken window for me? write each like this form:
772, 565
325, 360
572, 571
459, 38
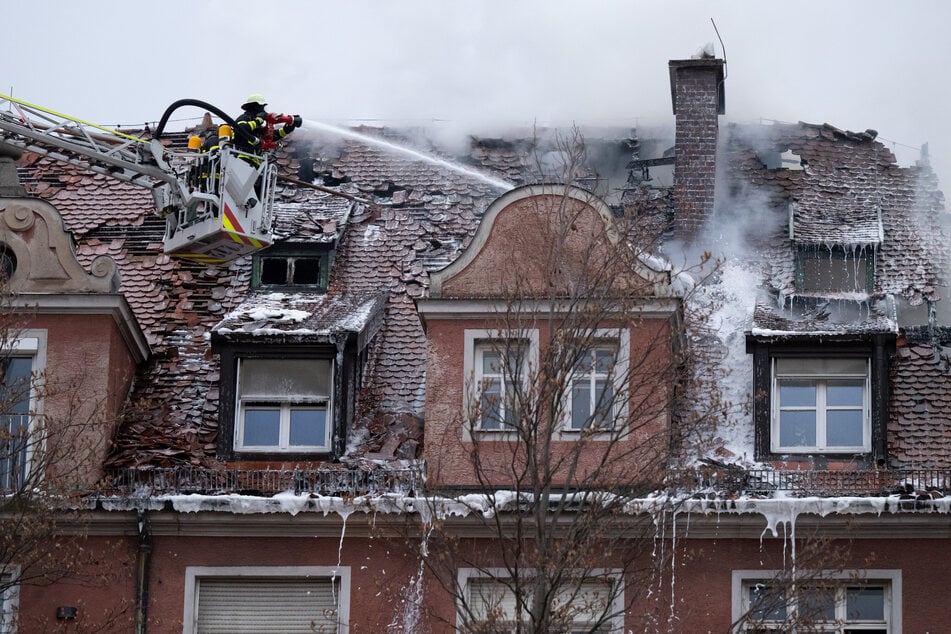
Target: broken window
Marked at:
292, 265
290, 271
835, 269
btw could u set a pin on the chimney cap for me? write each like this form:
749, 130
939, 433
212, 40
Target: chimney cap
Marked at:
710, 64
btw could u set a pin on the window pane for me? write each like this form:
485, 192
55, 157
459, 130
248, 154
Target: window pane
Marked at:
308, 426
604, 360
767, 603
845, 393
274, 271
604, 397
865, 604
797, 394
817, 604
491, 362
262, 427
491, 404
306, 270
844, 428
15, 375
580, 404
290, 379
797, 429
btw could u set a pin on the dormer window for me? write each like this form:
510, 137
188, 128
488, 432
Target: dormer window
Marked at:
835, 269
303, 266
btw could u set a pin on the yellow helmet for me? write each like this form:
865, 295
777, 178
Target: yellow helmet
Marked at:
255, 98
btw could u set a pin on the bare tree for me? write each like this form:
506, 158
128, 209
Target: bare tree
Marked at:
566, 429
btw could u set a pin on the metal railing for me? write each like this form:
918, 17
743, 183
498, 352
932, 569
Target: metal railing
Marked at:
816, 482
325, 481
409, 481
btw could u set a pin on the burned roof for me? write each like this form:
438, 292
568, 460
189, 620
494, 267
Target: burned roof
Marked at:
417, 214
847, 196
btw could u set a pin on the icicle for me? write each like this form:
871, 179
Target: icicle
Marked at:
333, 573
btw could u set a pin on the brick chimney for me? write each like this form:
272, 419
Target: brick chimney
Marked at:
698, 97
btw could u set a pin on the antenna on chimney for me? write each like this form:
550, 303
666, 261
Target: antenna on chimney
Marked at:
717, 31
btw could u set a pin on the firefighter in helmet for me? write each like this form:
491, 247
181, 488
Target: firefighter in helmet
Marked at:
252, 123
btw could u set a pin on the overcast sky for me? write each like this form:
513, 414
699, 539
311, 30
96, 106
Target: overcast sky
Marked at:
464, 64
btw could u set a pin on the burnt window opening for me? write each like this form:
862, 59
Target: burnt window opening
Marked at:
835, 269
287, 271
293, 266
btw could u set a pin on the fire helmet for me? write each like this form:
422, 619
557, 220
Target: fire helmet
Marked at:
255, 99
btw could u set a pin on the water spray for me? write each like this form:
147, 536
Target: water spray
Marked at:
498, 183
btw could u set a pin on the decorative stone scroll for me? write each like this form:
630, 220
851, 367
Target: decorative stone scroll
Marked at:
39, 255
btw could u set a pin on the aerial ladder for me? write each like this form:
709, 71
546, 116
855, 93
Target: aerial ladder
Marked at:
217, 205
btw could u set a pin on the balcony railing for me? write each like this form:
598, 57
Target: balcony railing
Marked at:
713, 482
263, 482
730, 481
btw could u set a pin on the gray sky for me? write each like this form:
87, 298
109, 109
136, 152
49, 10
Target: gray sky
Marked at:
856, 64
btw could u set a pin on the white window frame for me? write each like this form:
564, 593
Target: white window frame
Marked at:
475, 341
619, 340
890, 579
31, 343
614, 625
10, 602
284, 407
193, 574
821, 380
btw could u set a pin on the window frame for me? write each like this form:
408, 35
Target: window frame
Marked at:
619, 340
821, 381
290, 252
476, 341
875, 347
840, 579
194, 574
339, 409
614, 624
28, 344
285, 408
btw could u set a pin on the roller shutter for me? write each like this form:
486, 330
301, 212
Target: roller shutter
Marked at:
266, 605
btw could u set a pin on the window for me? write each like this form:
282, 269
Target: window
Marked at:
19, 366
596, 396
852, 602
283, 405
592, 389
251, 599
591, 604
292, 264
820, 405
498, 368
835, 269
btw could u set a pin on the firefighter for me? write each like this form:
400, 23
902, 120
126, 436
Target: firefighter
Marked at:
253, 122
